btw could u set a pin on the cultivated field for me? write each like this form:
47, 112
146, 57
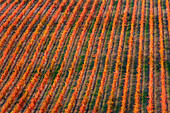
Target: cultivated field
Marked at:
85, 56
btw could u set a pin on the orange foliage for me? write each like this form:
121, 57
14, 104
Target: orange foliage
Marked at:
139, 69
110, 44
21, 83
125, 88
35, 78
5, 24
161, 51
116, 73
74, 95
78, 50
150, 106
168, 15
3, 39
97, 56
61, 42
4, 4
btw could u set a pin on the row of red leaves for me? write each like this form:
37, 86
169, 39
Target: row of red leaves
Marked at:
15, 36
3, 39
116, 73
77, 53
162, 60
150, 106
110, 44
139, 69
4, 4
129, 57
97, 56
34, 80
89, 49
22, 81
70, 22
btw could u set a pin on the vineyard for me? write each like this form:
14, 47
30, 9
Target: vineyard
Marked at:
92, 56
